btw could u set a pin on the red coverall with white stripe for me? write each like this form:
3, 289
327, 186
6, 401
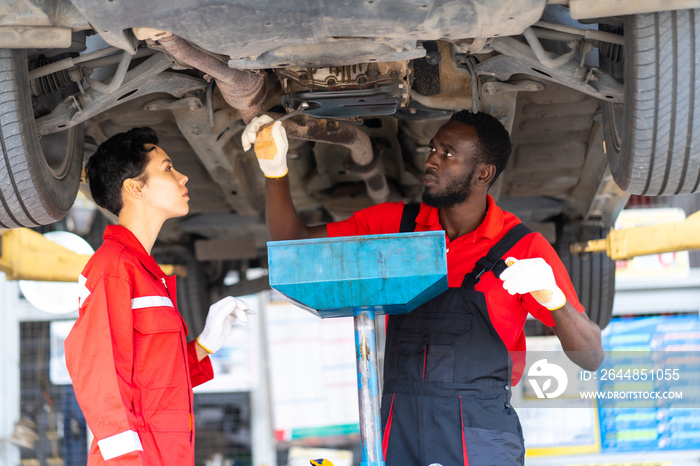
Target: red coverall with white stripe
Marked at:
129, 360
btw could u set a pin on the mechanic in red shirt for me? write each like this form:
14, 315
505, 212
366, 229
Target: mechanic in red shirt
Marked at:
127, 354
448, 368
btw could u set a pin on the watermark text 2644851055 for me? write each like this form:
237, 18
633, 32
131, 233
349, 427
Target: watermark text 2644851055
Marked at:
618, 373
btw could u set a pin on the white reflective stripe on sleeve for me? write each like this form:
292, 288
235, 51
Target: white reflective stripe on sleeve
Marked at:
151, 301
119, 444
83, 291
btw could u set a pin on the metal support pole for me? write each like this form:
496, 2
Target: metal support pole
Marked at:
368, 388
262, 438
9, 369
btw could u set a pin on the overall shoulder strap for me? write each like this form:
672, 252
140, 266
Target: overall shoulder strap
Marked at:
408, 218
492, 260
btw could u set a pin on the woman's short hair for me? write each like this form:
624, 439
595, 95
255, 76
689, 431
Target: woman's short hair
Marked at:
119, 158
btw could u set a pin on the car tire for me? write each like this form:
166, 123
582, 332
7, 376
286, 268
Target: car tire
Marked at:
39, 179
592, 274
653, 140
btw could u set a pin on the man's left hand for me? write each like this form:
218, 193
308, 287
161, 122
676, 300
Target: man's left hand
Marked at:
534, 276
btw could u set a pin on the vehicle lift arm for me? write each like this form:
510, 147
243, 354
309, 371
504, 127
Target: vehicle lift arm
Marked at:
644, 240
27, 255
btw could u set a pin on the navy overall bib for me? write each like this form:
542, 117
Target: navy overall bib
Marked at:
447, 376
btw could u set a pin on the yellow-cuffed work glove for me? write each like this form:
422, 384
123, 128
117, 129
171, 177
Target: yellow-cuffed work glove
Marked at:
221, 318
270, 145
534, 276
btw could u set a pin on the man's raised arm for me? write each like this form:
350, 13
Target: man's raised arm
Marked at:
271, 146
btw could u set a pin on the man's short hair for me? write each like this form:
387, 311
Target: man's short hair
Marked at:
494, 140
119, 158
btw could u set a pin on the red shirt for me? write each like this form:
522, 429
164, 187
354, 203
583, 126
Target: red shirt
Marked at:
508, 313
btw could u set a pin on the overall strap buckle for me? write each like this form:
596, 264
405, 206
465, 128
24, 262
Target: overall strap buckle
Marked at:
493, 259
482, 266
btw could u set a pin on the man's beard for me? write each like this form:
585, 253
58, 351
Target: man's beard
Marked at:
457, 192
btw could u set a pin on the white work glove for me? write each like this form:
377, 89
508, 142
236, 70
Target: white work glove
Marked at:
271, 145
534, 276
222, 316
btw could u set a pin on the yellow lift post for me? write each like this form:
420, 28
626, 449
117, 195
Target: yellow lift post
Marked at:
644, 240
28, 255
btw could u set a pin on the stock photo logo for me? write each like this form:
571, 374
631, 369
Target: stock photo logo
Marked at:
542, 374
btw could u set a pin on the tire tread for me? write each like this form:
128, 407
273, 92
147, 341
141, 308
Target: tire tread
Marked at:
30, 195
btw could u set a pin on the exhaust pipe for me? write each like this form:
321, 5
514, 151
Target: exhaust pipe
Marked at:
364, 162
242, 90
245, 91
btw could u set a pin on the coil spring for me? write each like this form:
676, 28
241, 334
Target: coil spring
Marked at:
49, 84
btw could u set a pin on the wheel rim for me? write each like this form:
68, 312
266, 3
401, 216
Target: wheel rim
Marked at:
613, 117
57, 152
612, 62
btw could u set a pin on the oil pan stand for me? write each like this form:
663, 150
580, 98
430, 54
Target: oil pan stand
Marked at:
362, 277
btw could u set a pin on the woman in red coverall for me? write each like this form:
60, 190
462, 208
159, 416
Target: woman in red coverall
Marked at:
127, 354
